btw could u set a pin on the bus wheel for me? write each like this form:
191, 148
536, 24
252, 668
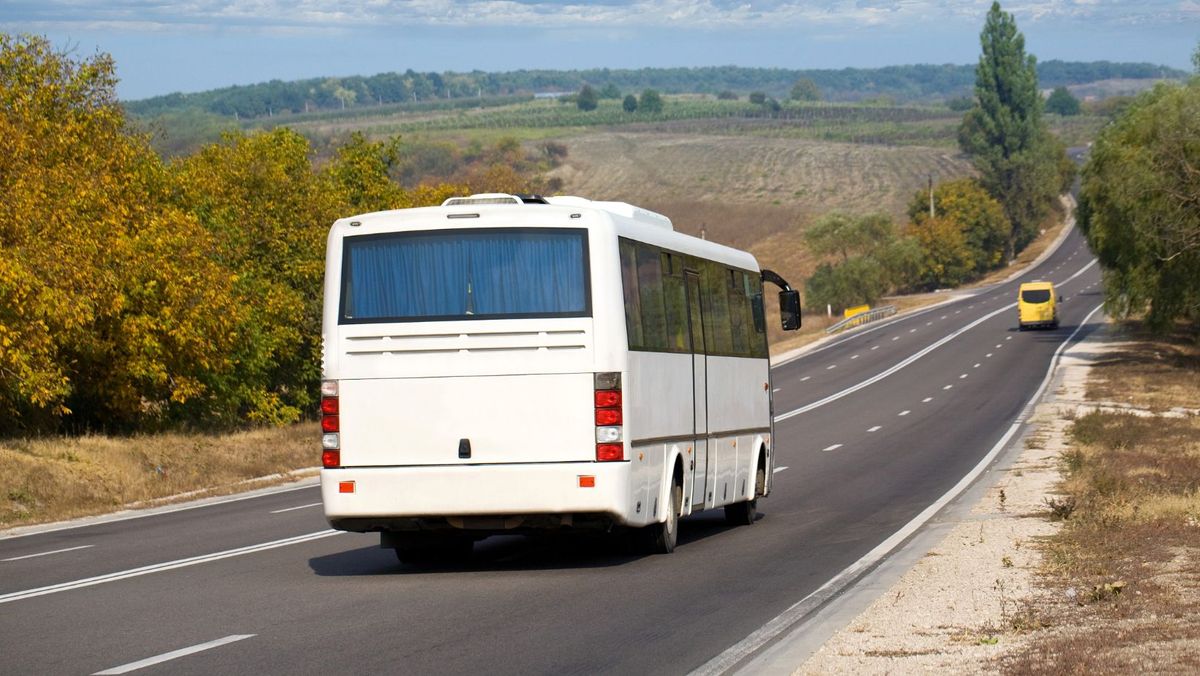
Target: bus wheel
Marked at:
743, 513
660, 538
425, 549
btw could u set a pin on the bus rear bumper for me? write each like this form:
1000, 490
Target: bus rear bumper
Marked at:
477, 497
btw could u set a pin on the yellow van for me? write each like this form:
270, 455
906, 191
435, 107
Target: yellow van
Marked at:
1037, 306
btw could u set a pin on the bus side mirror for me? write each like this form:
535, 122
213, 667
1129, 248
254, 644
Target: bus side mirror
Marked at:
789, 309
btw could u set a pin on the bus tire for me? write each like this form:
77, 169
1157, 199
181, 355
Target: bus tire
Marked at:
743, 513
426, 549
660, 538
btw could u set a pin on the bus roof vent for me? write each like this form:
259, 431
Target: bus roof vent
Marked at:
483, 198
619, 208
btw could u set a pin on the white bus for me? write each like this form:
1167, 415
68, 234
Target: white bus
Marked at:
505, 364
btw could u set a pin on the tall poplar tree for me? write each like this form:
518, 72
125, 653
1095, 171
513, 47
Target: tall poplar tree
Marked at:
1017, 158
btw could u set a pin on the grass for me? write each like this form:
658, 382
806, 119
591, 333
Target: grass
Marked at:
1122, 576
56, 478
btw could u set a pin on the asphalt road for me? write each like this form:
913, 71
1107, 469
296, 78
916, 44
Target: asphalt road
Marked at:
260, 585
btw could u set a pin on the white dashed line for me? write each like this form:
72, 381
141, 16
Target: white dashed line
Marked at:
904, 413
912, 330
962, 376
312, 504
928, 323
975, 366
777, 470
832, 448
947, 387
895, 337
926, 400
875, 428
998, 346
831, 367
853, 357
1008, 337
943, 316
56, 551
874, 347
805, 378
174, 654
989, 355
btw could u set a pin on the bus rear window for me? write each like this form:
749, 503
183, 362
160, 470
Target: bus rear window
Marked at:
465, 274
1035, 295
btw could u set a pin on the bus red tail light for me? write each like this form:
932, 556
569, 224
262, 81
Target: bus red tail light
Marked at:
331, 459
608, 416
610, 452
329, 423
610, 445
329, 405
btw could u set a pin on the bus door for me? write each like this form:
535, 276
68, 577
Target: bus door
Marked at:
695, 315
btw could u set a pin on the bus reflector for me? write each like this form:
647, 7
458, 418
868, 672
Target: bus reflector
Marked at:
610, 452
331, 459
587, 482
329, 423
345, 487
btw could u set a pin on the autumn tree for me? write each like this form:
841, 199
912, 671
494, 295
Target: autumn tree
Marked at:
1140, 206
111, 312
946, 259
974, 212
1005, 135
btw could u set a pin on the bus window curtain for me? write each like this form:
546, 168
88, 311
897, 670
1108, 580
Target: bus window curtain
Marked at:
459, 275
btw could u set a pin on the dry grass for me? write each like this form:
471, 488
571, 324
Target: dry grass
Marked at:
55, 478
1121, 582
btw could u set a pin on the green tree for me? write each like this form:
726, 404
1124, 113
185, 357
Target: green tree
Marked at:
630, 104
587, 99
1004, 133
610, 91
805, 90
1060, 102
1140, 206
843, 236
758, 98
650, 102
977, 215
726, 95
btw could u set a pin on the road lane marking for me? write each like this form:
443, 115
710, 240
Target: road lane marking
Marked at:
776, 390
947, 387
160, 567
989, 355
777, 470
896, 367
874, 347
999, 345
173, 655
831, 367
904, 413
926, 400
56, 551
790, 621
832, 448
875, 428
852, 358
943, 316
928, 323
895, 337
1008, 337
962, 376
805, 378
311, 504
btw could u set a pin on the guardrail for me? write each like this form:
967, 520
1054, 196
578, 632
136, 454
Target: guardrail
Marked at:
863, 318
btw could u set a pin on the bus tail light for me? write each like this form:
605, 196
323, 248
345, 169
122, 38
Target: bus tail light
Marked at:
610, 446
331, 439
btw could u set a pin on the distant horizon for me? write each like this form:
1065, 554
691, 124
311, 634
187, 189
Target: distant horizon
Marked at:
162, 49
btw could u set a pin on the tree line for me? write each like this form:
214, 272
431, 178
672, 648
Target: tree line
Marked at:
900, 83
137, 294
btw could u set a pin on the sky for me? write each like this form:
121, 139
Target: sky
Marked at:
162, 46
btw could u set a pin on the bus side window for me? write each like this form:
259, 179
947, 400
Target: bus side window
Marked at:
650, 285
718, 337
739, 311
675, 299
633, 304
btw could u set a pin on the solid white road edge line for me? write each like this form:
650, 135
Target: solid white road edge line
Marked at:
56, 551
159, 567
174, 654
785, 620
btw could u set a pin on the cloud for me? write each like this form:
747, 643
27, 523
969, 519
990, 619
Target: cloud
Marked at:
298, 16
